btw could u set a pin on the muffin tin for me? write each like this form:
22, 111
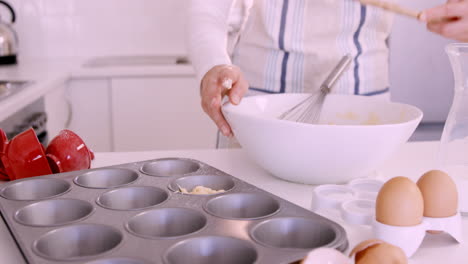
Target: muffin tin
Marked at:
133, 213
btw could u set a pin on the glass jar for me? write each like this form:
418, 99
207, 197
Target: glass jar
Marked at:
453, 152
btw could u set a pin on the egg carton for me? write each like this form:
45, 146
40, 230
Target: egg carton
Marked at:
355, 201
134, 213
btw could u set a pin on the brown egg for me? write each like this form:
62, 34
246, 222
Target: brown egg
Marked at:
365, 244
439, 193
325, 255
399, 203
375, 251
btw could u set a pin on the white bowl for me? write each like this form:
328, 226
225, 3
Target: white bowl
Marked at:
356, 134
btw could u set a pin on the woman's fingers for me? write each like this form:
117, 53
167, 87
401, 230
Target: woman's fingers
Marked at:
211, 103
449, 20
446, 12
238, 91
219, 81
218, 117
232, 79
229, 78
455, 29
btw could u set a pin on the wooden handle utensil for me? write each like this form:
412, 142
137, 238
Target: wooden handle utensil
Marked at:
393, 8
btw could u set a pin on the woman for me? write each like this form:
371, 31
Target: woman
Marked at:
290, 46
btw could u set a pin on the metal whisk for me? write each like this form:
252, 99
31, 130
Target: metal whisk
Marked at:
309, 109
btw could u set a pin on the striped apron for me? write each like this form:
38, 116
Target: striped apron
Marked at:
291, 45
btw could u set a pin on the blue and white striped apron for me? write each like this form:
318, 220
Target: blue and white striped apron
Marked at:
291, 45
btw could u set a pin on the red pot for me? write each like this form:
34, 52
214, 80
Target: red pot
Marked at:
68, 152
23, 156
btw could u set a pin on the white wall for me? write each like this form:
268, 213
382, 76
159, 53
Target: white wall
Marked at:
68, 28
420, 72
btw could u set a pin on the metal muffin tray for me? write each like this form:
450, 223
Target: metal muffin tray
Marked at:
133, 213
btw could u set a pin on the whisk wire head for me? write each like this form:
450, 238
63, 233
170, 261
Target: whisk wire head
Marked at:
310, 109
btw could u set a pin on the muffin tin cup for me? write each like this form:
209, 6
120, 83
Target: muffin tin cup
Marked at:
106, 178
166, 223
294, 233
54, 212
211, 250
119, 261
170, 167
242, 206
214, 182
132, 198
141, 218
35, 189
77, 242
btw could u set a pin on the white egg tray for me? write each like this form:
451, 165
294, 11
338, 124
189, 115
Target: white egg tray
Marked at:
356, 203
134, 214
409, 238
355, 200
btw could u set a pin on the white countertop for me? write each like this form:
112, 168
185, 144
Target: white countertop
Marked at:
412, 160
48, 74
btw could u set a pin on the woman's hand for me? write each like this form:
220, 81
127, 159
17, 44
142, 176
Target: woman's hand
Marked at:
449, 20
216, 83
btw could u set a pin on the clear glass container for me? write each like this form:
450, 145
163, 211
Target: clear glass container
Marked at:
453, 152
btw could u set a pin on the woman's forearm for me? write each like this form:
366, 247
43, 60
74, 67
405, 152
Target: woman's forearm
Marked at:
207, 30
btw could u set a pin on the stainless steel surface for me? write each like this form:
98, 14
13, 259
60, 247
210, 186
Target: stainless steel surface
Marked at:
10, 251
106, 178
8, 36
211, 250
137, 60
295, 233
214, 182
336, 74
170, 167
35, 189
132, 198
174, 229
166, 223
8, 40
119, 261
242, 206
54, 212
9, 88
77, 242
309, 109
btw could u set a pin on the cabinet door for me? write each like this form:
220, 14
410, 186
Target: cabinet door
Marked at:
90, 115
57, 110
159, 113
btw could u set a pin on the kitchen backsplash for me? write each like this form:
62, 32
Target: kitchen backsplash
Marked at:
83, 28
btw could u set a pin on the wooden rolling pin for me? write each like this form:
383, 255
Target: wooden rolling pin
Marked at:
393, 8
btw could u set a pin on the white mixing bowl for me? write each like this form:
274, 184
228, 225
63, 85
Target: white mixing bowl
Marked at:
356, 134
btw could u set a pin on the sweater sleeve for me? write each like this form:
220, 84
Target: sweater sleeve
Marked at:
207, 31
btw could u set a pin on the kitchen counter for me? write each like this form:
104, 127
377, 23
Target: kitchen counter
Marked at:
412, 160
48, 74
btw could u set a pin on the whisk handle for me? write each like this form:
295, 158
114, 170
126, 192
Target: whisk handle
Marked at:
336, 73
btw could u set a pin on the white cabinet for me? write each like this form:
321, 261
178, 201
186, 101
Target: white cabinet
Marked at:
82, 106
132, 114
159, 113
90, 115
57, 110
